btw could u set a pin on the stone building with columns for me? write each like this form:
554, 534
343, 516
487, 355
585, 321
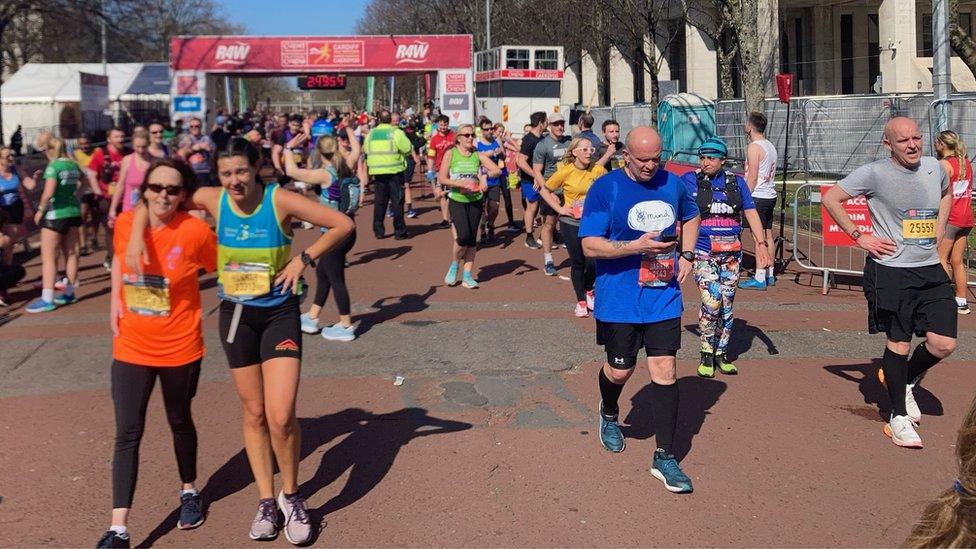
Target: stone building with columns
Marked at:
832, 47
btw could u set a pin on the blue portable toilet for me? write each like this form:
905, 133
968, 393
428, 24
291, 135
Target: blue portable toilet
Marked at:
684, 121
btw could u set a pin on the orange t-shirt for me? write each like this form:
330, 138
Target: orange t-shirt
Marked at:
176, 252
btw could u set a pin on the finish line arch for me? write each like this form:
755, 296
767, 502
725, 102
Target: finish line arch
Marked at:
196, 59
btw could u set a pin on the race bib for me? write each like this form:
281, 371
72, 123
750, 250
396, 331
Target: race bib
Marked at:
246, 280
918, 227
656, 271
146, 295
134, 197
960, 189
725, 244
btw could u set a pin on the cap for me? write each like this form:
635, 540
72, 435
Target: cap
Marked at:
713, 147
556, 117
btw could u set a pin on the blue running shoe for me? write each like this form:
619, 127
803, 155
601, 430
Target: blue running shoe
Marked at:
309, 325
770, 280
550, 269
337, 332
451, 277
610, 435
40, 306
752, 284
468, 281
65, 299
191, 511
666, 469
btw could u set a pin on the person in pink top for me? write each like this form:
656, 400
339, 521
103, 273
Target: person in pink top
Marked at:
952, 248
131, 173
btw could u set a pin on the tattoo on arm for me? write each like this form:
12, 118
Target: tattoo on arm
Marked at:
618, 244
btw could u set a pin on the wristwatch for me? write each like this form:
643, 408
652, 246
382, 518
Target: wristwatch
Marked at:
855, 234
688, 256
307, 260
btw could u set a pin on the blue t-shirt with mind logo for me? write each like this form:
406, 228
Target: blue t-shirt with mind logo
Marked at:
620, 208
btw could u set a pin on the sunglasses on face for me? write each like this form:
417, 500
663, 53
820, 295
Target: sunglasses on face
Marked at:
172, 190
465, 135
157, 132
557, 123
487, 129
194, 126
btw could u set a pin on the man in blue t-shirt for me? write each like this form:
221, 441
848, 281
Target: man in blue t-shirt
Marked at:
491, 150
633, 221
722, 198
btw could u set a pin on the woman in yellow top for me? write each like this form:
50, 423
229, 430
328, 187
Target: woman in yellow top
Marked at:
575, 174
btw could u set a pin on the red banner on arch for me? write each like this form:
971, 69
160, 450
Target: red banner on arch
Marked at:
349, 54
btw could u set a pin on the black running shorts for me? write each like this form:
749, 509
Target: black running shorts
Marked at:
61, 226
623, 341
545, 209
262, 334
903, 301
765, 208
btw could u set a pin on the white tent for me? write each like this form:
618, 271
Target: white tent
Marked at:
37, 95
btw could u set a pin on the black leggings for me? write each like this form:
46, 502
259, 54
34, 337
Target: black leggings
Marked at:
507, 198
330, 275
132, 386
583, 272
466, 217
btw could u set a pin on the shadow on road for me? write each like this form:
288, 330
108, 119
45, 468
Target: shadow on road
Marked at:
367, 453
380, 253
696, 397
498, 270
743, 335
409, 303
875, 395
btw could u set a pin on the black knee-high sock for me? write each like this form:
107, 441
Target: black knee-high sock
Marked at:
664, 403
610, 392
921, 361
895, 368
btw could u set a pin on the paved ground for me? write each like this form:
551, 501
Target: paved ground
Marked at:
491, 439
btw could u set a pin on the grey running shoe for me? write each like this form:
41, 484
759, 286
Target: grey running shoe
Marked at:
297, 526
265, 524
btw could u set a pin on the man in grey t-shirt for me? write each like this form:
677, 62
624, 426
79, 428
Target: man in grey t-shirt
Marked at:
545, 160
907, 290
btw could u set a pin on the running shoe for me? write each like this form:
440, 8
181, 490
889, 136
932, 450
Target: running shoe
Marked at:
724, 366
113, 540
65, 299
4, 299
962, 309
444, 224
264, 527
107, 265
468, 281
706, 368
770, 280
911, 407
338, 332
550, 269
297, 526
902, 431
513, 227
61, 284
752, 284
310, 325
590, 299
452, 272
40, 306
411, 213
531, 242
611, 436
666, 469
581, 310
85, 251
191, 511
389, 212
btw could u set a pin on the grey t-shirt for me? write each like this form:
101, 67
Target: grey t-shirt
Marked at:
549, 152
904, 207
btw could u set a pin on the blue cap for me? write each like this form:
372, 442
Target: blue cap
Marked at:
713, 147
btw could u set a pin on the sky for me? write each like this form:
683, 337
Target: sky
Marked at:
305, 17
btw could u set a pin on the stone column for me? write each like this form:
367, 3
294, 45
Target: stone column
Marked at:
769, 50
896, 35
823, 51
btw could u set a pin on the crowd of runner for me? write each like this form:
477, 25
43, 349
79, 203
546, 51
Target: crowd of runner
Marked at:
165, 205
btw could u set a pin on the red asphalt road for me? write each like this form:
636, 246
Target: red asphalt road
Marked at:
789, 453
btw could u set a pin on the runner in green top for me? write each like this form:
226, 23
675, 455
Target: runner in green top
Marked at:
59, 216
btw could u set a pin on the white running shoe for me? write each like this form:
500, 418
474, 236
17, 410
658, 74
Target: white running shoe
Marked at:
901, 429
914, 413
581, 310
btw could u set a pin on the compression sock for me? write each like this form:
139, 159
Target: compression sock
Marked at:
920, 362
895, 368
664, 405
610, 393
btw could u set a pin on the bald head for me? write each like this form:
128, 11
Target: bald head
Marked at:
43, 139
904, 140
643, 153
900, 125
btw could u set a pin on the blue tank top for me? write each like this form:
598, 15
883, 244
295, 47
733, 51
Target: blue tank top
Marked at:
247, 241
10, 189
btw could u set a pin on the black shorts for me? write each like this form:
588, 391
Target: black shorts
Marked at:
15, 212
546, 209
623, 341
765, 207
262, 334
61, 226
90, 200
903, 301
494, 194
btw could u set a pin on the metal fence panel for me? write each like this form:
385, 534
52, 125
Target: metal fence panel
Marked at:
730, 118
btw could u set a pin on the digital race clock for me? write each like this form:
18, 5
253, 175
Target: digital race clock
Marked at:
322, 82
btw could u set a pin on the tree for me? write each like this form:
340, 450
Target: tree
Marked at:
962, 43
744, 17
714, 20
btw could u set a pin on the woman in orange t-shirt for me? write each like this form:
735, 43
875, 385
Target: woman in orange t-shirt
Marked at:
156, 323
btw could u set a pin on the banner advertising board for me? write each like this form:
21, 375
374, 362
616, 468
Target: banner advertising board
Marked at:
857, 208
187, 95
455, 88
95, 112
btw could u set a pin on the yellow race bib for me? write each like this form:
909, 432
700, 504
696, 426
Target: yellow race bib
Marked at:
146, 295
246, 280
918, 227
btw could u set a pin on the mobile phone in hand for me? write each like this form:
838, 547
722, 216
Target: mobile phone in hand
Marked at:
669, 238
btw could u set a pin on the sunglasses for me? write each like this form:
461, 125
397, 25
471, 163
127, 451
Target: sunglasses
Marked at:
590, 150
465, 135
487, 129
157, 132
172, 190
557, 123
194, 125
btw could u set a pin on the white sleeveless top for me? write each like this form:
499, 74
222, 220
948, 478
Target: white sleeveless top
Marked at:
766, 184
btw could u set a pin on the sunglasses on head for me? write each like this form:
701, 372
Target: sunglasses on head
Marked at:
172, 190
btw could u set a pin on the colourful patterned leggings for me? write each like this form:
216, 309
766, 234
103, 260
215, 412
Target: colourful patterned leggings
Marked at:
717, 276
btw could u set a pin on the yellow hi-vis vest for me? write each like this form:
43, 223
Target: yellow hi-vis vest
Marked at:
383, 147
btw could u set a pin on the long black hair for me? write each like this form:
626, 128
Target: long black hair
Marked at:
237, 146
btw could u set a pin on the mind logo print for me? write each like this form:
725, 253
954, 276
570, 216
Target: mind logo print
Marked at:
650, 216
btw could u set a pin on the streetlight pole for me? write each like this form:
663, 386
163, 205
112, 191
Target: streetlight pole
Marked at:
941, 75
487, 24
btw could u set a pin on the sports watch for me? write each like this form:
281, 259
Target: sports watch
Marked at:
855, 234
688, 256
307, 260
